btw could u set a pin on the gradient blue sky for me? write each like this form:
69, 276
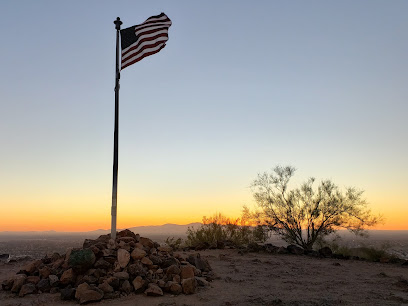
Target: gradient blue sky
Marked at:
240, 87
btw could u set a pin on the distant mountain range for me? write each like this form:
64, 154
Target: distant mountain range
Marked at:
165, 229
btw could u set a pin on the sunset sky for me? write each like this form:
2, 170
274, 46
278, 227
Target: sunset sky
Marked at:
242, 86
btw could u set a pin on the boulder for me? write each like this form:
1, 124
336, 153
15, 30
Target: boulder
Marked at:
68, 277
187, 272
18, 282
33, 279
31, 267
189, 285
165, 248
126, 287
176, 288
68, 293
102, 263
85, 294
173, 270
121, 275
326, 252
146, 242
81, 260
294, 249
105, 287
123, 258
153, 289
7, 284
138, 254
54, 280
44, 285
199, 263
139, 284
146, 261
27, 289
44, 272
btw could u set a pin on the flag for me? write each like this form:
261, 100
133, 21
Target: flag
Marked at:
144, 39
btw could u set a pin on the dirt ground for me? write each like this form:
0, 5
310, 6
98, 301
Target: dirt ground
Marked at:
266, 279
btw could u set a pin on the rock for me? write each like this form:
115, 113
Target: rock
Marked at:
27, 289
44, 285
105, 287
121, 275
4, 257
175, 288
201, 281
68, 277
81, 260
44, 272
85, 294
54, 280
114, 282
88, 243
326, 252
138, 254
102, 264
270, 248
139, 284
68, 293
126, 287
187, 272
123, 258
90, 279
189, 285
7, 284
169, 262
153, 289
165, 248
112, 295
156, 260
282, 250
146, 242
294, 249
33, 279
146, 261
136, 269
18, 282
177, 279
31, 267
108, 253
173, 270
54, 290
57, 264
199, 263
126, 233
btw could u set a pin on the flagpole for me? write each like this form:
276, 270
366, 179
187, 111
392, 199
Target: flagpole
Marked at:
117, 23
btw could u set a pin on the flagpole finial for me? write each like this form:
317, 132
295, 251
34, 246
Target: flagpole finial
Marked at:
117, 22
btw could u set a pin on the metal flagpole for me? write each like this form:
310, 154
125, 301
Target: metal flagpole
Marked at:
117, 23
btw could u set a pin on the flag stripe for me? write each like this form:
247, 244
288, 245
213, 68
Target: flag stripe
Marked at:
143, 56
151, 45
144, 39
136, 47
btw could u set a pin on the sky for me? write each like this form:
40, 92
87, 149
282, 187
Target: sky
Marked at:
240, 87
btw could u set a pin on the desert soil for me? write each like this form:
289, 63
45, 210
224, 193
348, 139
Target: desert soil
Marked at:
266, 279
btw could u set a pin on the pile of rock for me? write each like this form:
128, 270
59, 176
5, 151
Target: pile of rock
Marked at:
105, 268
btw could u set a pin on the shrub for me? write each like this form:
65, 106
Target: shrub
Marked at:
218, 230
174, 243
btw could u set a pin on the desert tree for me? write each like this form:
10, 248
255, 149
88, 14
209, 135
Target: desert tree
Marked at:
306, 214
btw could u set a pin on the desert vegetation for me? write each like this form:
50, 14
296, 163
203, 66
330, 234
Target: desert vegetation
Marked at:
218, 231
307, 214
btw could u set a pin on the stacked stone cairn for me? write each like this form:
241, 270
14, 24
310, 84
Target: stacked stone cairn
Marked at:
105, 269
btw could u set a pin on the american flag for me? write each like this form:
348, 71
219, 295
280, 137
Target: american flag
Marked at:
144, 39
